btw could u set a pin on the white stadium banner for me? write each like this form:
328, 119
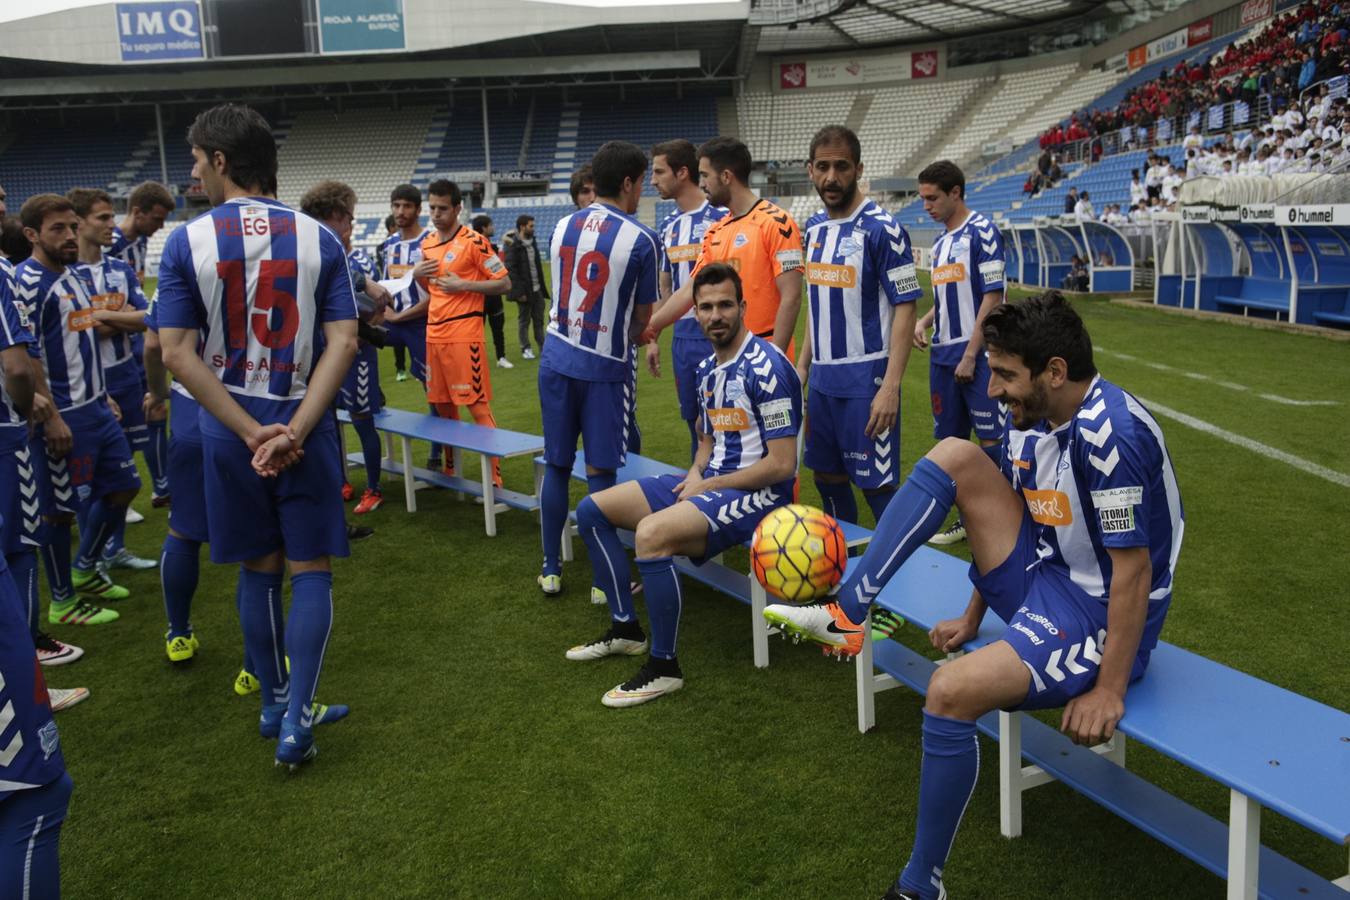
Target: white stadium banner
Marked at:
852, 71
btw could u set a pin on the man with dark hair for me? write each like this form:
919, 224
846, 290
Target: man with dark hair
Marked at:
604, 282
528, 287
861, 291
257, 320
89, 462
149, 204
968, 281
334, 203
746, 465
582, 187
675, 177
492, 306
119, 317
406, 317
400, 352
759, 239
1075, 531
463, 270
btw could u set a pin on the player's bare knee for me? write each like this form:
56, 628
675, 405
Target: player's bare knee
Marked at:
956, 455
831, 477
300, 567
270, 563
950, 694
651, 540
123, 498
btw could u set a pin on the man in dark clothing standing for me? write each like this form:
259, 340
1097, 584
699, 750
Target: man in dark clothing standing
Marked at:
1070, 200
526, 268
492, 306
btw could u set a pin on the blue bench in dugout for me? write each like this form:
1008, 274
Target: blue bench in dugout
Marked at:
456, 436
742, 586
1270, 747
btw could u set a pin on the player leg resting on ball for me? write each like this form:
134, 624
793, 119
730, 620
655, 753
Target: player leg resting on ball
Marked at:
749, 415
1075, 536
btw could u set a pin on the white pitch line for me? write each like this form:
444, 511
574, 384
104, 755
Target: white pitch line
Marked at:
1247, 443
1231, 385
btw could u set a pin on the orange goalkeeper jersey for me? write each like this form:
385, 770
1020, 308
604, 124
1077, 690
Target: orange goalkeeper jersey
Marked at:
457, 318
760, 245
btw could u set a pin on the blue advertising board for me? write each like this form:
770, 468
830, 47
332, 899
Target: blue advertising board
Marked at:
149, 32
360, 26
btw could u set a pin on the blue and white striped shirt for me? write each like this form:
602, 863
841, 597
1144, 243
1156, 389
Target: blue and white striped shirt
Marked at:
131, 252
260, 279
681, 237
857, 270
112, 284
604, 264
1101, 480
967, 264
400, 256
13, 333
61, 315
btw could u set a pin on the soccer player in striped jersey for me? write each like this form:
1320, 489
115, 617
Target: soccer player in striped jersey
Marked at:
861, 289
334, 204
119, 316
406, 317
968, 282
675, 177
604, 281
269, 288
759, 240
89, 461
1075, 534
148, 205
749, 415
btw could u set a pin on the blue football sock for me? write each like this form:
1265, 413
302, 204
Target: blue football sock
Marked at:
370, 450
553, 516
56, 562
693, 437
665, 600
156, 453
23, 567
838, 500
609, 560
307, 630
436, 448
100, 524
179, 567
878, 501
116, 541
259, 612
951, 763
918, 510
600, 481
239, 608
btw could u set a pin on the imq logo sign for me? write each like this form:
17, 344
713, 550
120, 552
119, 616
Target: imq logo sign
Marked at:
147, 32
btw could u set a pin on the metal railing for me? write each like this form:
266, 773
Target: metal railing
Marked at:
785, 12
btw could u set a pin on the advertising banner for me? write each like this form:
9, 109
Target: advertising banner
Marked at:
1199, 32
149, 32
1254, 11
360, 26
851, 71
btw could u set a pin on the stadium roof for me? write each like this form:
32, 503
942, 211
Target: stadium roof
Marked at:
799, 25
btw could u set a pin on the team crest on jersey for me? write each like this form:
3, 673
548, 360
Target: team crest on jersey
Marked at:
49, 739
735, 390
849, 246
740, 241
960, 248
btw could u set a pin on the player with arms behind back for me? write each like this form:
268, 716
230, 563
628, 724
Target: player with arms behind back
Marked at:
1075, 533
861, 292
271, 289
604, 282
675, 177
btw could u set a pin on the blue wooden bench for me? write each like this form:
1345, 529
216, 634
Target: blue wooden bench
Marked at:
1270, 747
457, 436
742, 586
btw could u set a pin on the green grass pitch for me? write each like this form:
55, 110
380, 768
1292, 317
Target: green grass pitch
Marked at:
478, 763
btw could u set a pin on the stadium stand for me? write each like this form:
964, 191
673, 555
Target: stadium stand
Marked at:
321, 143
29, 166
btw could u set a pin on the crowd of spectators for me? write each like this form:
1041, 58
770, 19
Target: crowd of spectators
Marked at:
1268, 72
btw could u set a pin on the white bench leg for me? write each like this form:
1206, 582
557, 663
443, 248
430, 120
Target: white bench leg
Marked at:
489, 496
1244, 846
866, 683
759, 629
1114, 749
1010, 774
388, 446
409, 486
458, 457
